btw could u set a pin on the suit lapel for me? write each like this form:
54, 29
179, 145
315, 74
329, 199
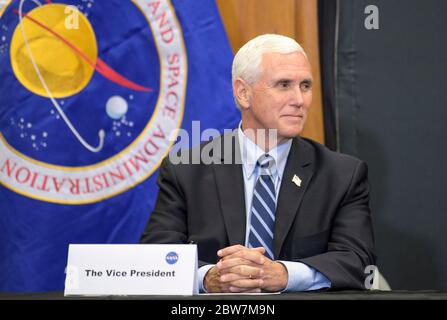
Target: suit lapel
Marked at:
230, 188
290, 194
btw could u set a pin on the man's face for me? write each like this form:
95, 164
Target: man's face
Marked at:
281, 97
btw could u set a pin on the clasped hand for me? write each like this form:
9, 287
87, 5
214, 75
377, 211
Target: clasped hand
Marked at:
242, 269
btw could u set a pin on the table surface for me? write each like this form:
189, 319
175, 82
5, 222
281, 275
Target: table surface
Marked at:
326, 295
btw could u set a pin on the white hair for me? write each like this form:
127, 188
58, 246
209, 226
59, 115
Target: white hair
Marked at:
247, 61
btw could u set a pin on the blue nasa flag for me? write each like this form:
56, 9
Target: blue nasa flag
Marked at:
91, 93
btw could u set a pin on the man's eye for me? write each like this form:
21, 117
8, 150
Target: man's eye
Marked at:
284, 84
306, 86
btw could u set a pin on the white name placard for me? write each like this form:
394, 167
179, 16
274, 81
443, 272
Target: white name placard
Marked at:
131, 269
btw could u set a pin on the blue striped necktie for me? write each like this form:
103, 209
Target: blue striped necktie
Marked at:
263, 209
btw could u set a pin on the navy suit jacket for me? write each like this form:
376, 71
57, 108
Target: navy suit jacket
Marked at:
325, 222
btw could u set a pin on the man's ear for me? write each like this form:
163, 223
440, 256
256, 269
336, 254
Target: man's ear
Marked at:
242, 93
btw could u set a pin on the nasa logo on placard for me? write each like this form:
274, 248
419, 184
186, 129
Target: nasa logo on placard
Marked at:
90, 94
172, 257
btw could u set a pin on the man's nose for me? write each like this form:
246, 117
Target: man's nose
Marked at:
297, 98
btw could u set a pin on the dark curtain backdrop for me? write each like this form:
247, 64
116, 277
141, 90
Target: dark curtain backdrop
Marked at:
327, 15
389, 103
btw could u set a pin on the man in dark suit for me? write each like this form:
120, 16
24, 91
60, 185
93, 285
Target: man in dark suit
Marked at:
269, 211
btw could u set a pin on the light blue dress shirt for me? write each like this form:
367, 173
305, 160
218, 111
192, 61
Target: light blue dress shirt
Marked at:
301, 277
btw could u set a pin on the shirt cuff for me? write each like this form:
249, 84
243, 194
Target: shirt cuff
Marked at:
201, 273
304, 278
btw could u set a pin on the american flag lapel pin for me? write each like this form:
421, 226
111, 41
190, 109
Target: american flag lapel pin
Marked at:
296, 180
